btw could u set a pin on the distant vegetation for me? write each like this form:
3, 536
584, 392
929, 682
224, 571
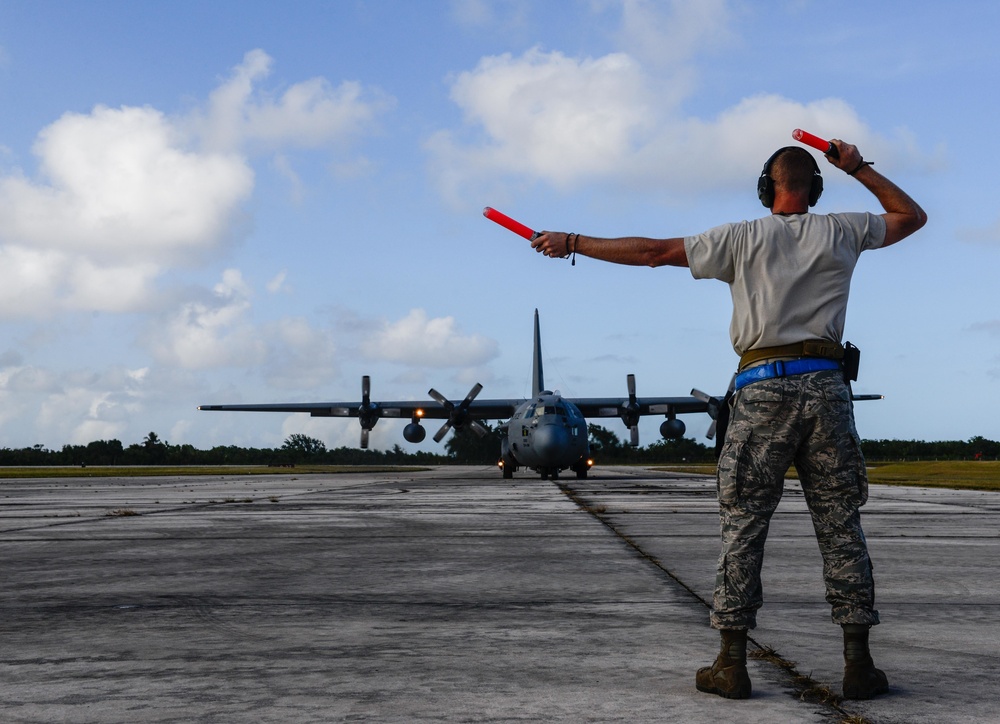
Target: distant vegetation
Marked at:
463, 448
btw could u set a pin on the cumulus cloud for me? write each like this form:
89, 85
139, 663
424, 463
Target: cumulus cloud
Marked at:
75, 407
120, 185
119, 200
308, 114
547, 115
419, 340
123, 195
219, 331
620, 118
215, 332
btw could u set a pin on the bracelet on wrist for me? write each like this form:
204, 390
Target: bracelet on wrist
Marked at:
860, 165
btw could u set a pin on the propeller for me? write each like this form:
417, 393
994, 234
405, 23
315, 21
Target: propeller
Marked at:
630, 412
715, 405
458, 415
368, 414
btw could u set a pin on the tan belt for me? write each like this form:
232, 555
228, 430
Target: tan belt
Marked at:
813, 348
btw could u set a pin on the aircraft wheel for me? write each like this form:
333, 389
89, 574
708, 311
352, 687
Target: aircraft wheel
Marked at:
581, 474
508, 473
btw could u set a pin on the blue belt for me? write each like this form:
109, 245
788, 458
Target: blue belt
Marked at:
784, 369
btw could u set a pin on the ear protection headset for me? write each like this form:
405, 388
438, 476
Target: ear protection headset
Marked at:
765, 184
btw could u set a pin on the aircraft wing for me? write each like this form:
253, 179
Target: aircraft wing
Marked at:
616, 406
630, 409
467, 412
429, 409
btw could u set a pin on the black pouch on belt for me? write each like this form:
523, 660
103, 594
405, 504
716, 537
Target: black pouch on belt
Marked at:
852, 360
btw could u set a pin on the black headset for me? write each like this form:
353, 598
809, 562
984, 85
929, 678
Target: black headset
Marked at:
765, 184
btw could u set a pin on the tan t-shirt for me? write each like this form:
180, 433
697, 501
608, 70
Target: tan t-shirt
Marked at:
789, 276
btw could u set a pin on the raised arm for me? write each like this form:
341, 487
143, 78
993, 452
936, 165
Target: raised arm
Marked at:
631, 250
902, 214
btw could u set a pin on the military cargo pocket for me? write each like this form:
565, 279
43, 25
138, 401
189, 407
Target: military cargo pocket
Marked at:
733, 465
861, 469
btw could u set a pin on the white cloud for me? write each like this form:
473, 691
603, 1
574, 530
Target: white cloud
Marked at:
418, 340
669, 33
547, 115
568, 121
308, 114
278, 282
124, 194
220, 332
119, 185
210, 333
72, 407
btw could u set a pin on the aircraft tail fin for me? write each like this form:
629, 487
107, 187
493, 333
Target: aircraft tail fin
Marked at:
537, 377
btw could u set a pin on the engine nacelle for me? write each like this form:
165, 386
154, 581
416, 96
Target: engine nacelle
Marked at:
672, 429
414, 432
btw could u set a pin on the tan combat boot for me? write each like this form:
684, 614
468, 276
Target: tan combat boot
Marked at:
728, 676
861, 679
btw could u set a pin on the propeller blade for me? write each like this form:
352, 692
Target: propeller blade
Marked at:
629, 412
441, 399
439, 435
457, 415
478, 428
714, 406
368, 413
714, 403
476, 389
703, 396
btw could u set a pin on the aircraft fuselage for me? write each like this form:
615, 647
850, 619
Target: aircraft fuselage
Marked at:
547, 434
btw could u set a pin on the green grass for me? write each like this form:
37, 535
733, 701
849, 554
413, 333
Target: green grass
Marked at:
964, 474
139, 471
956, 474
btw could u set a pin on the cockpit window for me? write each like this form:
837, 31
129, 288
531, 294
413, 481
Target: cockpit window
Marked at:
559, 408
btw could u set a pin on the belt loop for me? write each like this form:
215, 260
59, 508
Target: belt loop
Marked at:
779, 369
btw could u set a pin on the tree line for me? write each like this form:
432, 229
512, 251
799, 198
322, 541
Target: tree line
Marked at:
463, 447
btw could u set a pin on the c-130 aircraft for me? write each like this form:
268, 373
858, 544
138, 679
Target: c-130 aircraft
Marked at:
546, 433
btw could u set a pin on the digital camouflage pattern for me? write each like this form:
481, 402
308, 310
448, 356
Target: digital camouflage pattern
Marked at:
807, 420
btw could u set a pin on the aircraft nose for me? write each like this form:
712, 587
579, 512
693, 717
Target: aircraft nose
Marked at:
550, 442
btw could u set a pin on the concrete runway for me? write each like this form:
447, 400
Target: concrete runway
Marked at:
454, 595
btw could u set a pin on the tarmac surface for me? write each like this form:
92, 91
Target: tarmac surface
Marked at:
452, 595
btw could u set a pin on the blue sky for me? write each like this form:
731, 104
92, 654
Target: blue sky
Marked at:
258, 202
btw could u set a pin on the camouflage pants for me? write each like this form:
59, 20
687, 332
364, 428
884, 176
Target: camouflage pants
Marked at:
807, 420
